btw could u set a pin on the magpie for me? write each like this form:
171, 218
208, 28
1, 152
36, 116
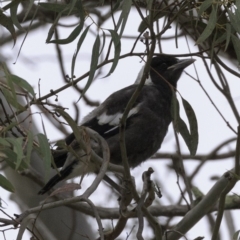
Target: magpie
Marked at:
146, 125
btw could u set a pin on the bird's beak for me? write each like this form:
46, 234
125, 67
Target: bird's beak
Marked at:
182, 64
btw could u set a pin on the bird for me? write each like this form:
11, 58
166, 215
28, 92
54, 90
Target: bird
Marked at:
146, 124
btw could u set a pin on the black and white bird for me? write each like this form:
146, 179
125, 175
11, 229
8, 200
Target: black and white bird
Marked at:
146, 125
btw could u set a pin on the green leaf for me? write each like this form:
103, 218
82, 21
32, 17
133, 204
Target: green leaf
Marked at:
228, 32
11, 100
236, 45
11, 159
234, 19
11, 4
143, 25
190, 138
116, 5
212, 46
71, 123
179, 125
175, 111
72, 5
210, 26
73, 35
45, 153
29, 147
149, 4
117, 49
193, 126
10, 126
221, 39
204, 6
13, 14
29, 7
23, 84
18, 149
93, 66
56, 7
52, 28
10, 85
103, 43
126, 6
8, 24
79, 44
237, 3
236, 235
183, 130
4, 183
4, 142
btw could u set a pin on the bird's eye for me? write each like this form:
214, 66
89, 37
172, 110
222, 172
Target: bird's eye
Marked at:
164, 66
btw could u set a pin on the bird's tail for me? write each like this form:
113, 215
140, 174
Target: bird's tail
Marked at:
57, 178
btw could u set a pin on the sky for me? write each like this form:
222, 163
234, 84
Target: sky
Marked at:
38, 60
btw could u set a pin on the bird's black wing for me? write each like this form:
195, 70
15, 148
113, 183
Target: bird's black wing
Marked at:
104, 119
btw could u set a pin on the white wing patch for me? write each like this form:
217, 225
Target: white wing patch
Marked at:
114, 119
139, 77
93, 114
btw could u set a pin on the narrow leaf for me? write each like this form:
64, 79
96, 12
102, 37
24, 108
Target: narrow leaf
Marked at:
11, 159
126, 6
13, 14
4, 183
73, 35
72, 5
237, 3
221, 39
103, 43
236, 45
228, 32
29, 7
79, 44
235, 19
204, 6
116, 5
236, 235
4, 142
17, 148
10, 99
175, 111
210, 26
52, 28
10, 126
143, 25
29, 147
45, 153
10, 85
56, 7
93, 66
71, 123
117, 50
8, 24
179, 125
149, 4
23, 84
11, 4
183, 130
193, 126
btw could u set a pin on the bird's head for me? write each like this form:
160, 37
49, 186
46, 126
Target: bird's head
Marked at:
167, 68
